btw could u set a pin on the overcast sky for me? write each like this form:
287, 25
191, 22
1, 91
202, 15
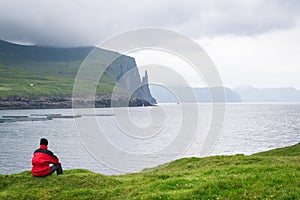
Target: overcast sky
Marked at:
252, 42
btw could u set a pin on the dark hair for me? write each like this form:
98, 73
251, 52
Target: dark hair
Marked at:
44, 141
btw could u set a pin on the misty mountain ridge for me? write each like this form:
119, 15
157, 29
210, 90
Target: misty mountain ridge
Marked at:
188, 95
282, 94
241, 94
16, 52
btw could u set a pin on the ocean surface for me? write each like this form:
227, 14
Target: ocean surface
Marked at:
143, 131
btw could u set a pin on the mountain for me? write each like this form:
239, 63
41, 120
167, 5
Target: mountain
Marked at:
10, 53
242, 94
183, 94
32, 72
251, 94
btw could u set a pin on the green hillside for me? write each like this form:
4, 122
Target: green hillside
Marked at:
43, 60
38, 71
271, 175
18, 82
14, 53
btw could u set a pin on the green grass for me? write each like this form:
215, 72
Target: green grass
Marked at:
270, 175
17, 82
65, 69
50, 71
22, 83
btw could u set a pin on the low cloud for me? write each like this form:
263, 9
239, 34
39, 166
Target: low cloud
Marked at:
81, 22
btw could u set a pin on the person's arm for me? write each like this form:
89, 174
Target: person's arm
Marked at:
53, 158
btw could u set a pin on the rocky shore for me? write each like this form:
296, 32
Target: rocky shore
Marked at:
55, 102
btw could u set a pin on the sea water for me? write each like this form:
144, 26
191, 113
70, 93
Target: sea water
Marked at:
246, 129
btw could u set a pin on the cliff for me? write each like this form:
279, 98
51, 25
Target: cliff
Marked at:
126, 74
43, 77
145, 90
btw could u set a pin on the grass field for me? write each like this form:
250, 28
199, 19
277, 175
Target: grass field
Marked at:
50, 71
269, 175
22, 83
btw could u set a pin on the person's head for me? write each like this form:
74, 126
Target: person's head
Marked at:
44, 141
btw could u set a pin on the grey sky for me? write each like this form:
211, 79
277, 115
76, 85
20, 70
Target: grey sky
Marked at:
251, 42
82, 22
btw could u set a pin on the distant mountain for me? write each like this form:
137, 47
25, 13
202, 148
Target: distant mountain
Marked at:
203, 94
183, 94
242, 94
251, 94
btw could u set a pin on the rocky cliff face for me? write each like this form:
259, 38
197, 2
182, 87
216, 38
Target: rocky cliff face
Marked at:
145, 93
125, 71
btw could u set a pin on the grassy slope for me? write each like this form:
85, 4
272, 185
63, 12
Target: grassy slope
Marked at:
17, 82
269, 175
51, 70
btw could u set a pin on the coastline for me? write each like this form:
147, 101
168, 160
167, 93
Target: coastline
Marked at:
63, 102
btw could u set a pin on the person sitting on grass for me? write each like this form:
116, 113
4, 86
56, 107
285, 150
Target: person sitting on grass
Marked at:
42, 159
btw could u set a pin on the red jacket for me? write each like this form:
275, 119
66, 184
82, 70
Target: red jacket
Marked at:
42, 158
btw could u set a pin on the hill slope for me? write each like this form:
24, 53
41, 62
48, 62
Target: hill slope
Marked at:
270, 175
18, 82
34, 71
43, 60
15, 81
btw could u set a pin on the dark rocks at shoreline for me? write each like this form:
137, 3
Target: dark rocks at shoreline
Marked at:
55, 102
10, 103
